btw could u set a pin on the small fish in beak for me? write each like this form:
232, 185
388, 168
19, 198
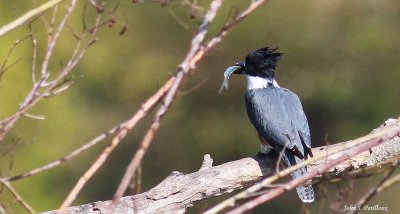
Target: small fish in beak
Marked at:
238, 68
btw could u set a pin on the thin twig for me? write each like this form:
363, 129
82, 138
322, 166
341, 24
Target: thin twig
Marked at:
28, 16
296, 182
177, 19
201, 50
389, 183
18, 197
54, 38
192, 58
253, 6
134, 164
4, 66
34, 53
55, 84
197, 86
9, 66
370, 194
68, 157
146, 107
33, 96
50, 30
33, 116
278, 163
139, 180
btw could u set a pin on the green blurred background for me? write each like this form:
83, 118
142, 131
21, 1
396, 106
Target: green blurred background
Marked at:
340, 57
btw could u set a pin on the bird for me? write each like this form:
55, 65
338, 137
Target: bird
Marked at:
275, 112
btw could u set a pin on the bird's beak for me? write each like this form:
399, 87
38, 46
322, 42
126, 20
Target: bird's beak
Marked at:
238, 68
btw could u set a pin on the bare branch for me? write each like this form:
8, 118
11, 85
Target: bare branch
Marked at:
68, 157
59, 91
386, 133
192, 58
34, 53
18, 197
50, 29
28, 16
33, 96
36, 117
4, 66
301, 180
370, 194
98, 139
54, 38
195, 54
180, 191
253, 6
146, 107
149, 136
389, 183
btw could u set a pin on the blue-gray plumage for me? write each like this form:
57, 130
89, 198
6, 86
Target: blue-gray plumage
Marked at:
275, 112
278, 117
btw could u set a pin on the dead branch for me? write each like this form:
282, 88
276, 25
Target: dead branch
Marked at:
389, 130
386, 133
194, 56
169, 97
372, 192
180, 191
18, 197
28, 16
34, 96
4, 67
196, 52
148, 105
142, 112
268, 196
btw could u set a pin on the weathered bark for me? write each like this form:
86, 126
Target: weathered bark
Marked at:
179, 191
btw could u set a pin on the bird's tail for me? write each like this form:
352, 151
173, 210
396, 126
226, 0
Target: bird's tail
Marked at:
305, 191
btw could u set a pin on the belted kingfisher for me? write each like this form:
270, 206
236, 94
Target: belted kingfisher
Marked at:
275, 112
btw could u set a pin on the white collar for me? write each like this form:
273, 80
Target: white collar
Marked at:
259, 82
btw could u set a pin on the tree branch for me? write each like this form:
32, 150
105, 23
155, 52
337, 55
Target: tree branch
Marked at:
288, 186
370, 194
167, 102
194, 56
180, 191
18, 197
34, 96
389, 130
28, 16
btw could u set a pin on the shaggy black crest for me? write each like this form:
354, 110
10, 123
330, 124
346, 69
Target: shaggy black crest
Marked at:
262, 62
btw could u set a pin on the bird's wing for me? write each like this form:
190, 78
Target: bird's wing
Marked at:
299, 119
278, 116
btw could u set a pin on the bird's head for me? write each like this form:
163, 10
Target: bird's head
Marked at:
259, 63
262, 62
